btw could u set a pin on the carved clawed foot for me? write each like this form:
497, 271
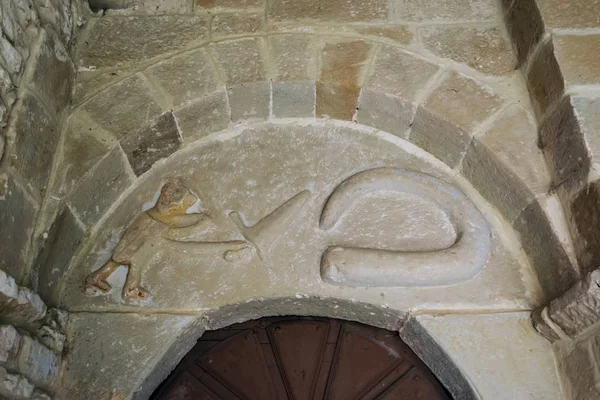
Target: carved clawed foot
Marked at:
94, 284
135, 293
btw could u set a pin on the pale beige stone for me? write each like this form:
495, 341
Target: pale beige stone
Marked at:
236, 24
200, 4
398, 33
185, 77
204, 116
249, 101
240, 60
483, 49
445, 10
336, 10
293, 99
578, 58
89, 83
151, 7
386, 112
574, 14
293, 57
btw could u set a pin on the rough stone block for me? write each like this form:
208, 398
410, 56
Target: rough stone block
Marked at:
240, 60
185, 77
574, 14
293, 99
200, 4
385, 111
233, 24
39, 395
553, 268
101, 187
483, 49
584, 215
124, 107
578, 58
397, 33
37, 362
15, 386
147, 146
249, 101
52, 338
525, 26
13, 60
123, 41
52, 262
445, 10
329, 10
54, 73
58, 14
26, 308
293, 57
336, 101
204, 116
10, 341
399, 74
151, 7
89, 83
444, 125
7, 88
505, 164
544, 79
36, 138
17, 219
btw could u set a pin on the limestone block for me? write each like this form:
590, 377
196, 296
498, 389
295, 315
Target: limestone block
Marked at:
185, 77
133, 349
240, 60
385, 111
483, 49
17, 219
37, 363
505, 164
15, 386
101, 187
54, 73
204, 116
122, 41
544, 79
525, 26
10, 340
13, 60
397, 33
539, 240
511, 366
329, 10
232, 24
582, 208
445, 10
293, 99
149, 7
13, 30
147, 146
19, 11
89, 83
444, 125
63, 238
576, 14
36, 133
7, 88
201, 4
58, 14
578, 58
293, 57
124, 107
249, 101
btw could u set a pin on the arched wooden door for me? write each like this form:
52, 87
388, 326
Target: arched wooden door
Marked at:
300, 358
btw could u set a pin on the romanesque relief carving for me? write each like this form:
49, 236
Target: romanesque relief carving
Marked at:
167, 220
453, 238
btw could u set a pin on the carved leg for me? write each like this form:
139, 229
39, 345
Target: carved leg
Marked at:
132, 289
97, 280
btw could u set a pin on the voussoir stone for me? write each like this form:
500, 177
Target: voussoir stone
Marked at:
445, 10
572, 14
398, 33
525, 26
185, 77
329, 10
544, 79
578, 58
293, 99
505, 164
124, 107
249, 100
444, 124
231, 24
204, 116
483, 49
122, 41
293, 57
240, 60
584, 211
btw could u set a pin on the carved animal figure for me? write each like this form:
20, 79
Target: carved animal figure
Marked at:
165, 220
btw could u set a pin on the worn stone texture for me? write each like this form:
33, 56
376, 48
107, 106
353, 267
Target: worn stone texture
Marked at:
574, 14
15, 386
585, 218
445, 123
59, 14
122, 41
150, 7
89, 83
483, 49
36, 362
100, 187
203, 116
293, 99
249, 101
10, 341
544, 79
17, 219
124, 107
539, 240
36, 133
445, 10
7, 88
511, 366
232, 24
578, 58
329, 10
525, 27
293, 57
22, 307
398, 33
148, 145
39, 395
385, 111
228, 3
240, 61
185, 77
63, 238
134, 343
13, 61
506, 165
